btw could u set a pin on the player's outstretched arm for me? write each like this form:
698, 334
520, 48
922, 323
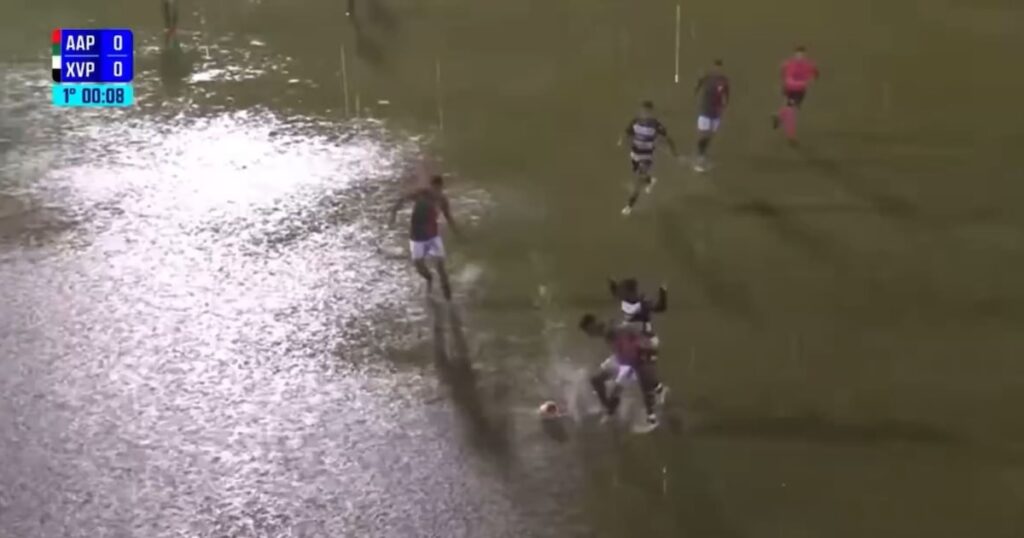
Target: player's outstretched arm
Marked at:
447, 212
671, 145
396, 206
662, 304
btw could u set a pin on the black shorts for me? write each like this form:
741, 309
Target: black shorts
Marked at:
641, 167
794, 97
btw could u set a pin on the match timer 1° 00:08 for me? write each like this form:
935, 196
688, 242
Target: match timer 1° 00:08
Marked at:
93, 95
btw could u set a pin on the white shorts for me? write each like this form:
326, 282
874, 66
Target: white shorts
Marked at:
705, 124
431, 248
618, 371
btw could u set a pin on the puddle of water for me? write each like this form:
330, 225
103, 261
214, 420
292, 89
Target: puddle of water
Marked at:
200, 348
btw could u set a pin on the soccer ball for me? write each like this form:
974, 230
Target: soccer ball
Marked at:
548, 409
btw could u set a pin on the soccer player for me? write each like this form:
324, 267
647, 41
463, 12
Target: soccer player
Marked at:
170, 12
639, 311
713, 89
629, 347
643, 133
797, 74
424, 233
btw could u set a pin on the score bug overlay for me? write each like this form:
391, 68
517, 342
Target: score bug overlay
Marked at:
97, 55
93, 67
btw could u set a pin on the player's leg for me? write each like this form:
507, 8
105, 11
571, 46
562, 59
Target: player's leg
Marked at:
660, 390
794, 99
599, 381
786, 116
437, 253
655, 343
648, 381
170, 12
647, 179
418, 250
706, 128
641, 165
777, 116
619, 374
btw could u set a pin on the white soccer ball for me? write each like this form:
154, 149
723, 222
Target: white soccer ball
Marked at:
548, 409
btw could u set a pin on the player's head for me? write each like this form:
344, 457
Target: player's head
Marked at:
590, 325
628, 289
437, 182
800, 51
647, 108
716, 65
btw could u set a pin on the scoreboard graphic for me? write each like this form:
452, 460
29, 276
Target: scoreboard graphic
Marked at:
93, 67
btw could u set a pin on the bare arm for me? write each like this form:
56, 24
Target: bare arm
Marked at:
627, 132
396, 206
663, 132
613, 287
418, 176
446, 210
671, 145
662, 303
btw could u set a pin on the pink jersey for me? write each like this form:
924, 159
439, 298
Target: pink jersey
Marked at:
797, 73
627, 344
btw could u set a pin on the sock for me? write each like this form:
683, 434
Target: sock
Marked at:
788, 116
649, 403
613, 404
597, 382
702, 146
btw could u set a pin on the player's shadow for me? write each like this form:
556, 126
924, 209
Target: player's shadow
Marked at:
366, 16
366, 46
730, 296
780, 220
555, 428
690, 503
887, 205
456, 371
817, 429
380, 15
